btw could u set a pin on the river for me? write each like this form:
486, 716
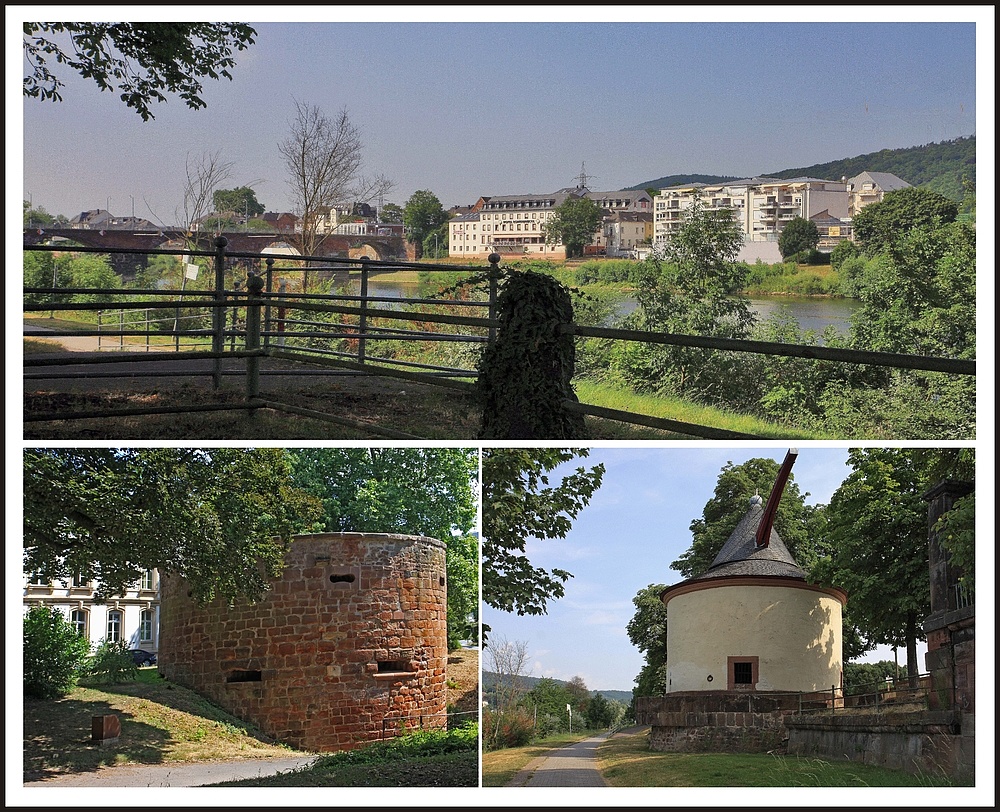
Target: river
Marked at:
811, 312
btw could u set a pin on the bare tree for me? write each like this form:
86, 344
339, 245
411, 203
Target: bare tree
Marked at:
509, 660
323, 158
202, 177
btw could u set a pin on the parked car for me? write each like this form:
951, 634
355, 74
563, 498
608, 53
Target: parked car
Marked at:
142, 658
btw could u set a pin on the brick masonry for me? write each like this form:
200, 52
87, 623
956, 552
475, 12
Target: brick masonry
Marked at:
348, 646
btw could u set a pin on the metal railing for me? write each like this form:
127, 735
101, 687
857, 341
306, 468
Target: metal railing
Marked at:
400, 725
340, 331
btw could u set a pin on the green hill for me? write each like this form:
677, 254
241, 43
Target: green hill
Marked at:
941, 167
489, 678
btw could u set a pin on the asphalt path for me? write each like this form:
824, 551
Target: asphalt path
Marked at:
574, 765
196, 774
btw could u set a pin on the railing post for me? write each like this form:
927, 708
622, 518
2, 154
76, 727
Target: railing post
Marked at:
148, 311
494, 260
363, 318
255, 285
268, 281
100, 326
121, 329
219, 311
236, 315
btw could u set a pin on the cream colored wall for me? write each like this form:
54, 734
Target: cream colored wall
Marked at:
797, 634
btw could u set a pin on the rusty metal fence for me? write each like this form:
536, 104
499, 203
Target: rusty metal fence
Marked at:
340, 332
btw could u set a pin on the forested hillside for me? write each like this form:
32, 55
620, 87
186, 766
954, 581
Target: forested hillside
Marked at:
940, 167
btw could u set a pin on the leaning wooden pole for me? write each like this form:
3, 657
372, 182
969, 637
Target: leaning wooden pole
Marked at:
771, 508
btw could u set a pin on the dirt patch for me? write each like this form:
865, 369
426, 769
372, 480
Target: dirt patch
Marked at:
463, 682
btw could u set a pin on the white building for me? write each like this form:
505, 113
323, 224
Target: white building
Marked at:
871, 187
514, 225
761, 206
133, 617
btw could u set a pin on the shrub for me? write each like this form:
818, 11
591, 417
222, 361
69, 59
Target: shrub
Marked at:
507, 728
112, 663
54, 653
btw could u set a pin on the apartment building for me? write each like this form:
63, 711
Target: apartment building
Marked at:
133, 617
871, 187
514, 225
761, 206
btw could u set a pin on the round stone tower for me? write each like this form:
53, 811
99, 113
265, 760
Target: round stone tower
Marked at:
751, 622
348, 646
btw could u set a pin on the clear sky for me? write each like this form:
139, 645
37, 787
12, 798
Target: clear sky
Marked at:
637, 524
482, 104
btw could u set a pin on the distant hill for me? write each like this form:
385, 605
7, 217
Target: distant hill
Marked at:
489, 677
939, 167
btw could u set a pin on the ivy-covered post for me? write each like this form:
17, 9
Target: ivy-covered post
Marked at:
526, 370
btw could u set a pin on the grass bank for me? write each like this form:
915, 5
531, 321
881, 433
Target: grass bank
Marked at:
165, 723
627, 761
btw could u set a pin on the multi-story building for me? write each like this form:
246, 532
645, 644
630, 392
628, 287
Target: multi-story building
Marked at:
514, 225
625, 231
761, 206
871, 187
133, 617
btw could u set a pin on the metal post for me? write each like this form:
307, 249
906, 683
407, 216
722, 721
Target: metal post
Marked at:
219, 311
363, 318
255, 285
268, 283
494, 260
121, 329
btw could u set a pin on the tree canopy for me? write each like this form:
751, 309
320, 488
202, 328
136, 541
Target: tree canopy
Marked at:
798, 235
519, 504
241, 200
220, 518
140, 61
423, 215
573, 224
879, 226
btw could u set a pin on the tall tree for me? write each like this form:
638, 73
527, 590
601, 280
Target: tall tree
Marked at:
648, 632
573, 224
420, 491
729, 503
878, 226
241, 200
797, 236
423, 214
202, 176
391, 213
140, 61
692, 290
519, 504
878, 547
220, 518
323, 157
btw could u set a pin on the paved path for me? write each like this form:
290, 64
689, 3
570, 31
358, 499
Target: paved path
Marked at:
572, 766
175, 775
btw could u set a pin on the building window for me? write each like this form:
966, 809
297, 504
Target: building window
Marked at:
743, 673
114, 626
37, 579
147, 580
80, 580
146, 625
78, 618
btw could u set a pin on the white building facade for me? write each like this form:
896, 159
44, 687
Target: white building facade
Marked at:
133, 617
761, 206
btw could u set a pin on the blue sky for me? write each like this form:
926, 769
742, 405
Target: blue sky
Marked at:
471, 106
635, 526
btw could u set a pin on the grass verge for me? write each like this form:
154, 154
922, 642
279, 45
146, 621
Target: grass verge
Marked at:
627, 761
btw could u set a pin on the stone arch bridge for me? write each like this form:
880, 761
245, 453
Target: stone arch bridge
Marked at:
240, 242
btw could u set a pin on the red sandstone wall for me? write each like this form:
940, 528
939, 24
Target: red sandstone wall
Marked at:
350, 641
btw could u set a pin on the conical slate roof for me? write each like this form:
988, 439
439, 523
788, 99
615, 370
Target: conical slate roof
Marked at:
741, 556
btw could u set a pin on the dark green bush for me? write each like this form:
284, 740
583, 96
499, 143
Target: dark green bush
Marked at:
54, 653
112, 663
